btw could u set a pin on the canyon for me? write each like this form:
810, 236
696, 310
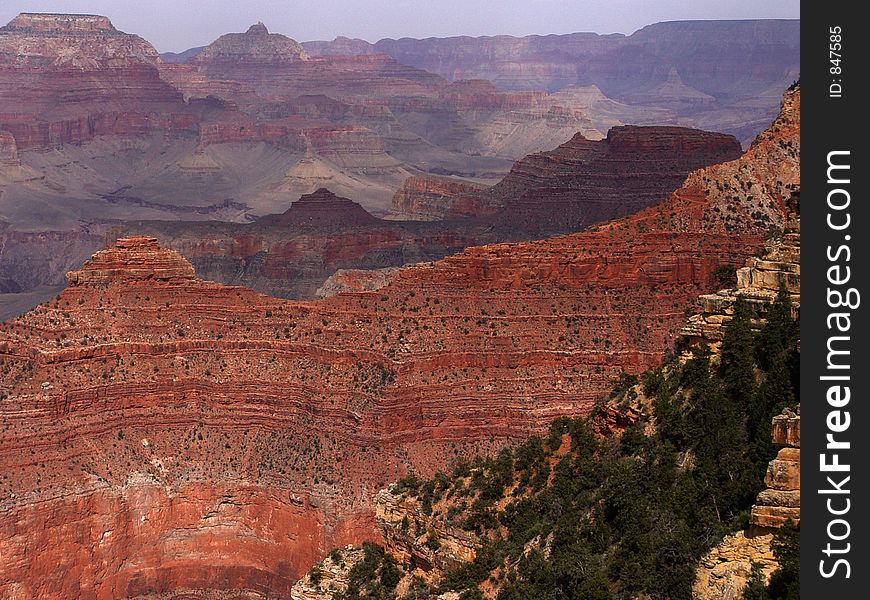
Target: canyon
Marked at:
293, 254
179, 435
695, 68
97, 130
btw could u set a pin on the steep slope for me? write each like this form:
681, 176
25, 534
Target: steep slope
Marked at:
290, 255
718, 75
583, 182
525, 521
69, 78
163, 433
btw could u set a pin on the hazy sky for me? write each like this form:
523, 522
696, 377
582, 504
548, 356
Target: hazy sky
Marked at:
174, 25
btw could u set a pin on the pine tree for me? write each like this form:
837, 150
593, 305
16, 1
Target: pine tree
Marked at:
756, 589
780, 333
785, 583
737, 355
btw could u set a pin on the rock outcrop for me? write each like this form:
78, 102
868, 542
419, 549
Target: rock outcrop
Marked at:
433, 198
582, 182
163, 433
254, 48
329, 577
781, 501
758, 283
74, 41
423, 546
133, 261
727, 568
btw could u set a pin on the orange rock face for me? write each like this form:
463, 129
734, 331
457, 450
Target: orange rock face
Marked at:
185, 416
781, 501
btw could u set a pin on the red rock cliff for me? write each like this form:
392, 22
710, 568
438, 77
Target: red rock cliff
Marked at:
163, 433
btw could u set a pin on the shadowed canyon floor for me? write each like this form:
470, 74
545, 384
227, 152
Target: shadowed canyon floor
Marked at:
160, 432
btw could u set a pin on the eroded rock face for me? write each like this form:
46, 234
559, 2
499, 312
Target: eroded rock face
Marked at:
66, 79
431, 198
781, 501
329, 577
8, 150
133, 260
758, 283
83, 41
582, 182
422, 546
193, 385
727, 568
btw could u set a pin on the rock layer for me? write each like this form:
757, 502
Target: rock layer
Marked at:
781, 501
131, 382
583, 182
431, 197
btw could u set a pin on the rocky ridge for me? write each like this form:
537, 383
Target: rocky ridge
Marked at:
131, 391
583, 182
758, 283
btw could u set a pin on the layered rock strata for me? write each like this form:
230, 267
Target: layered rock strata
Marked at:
780, 502
292, 254
433, 198
422, 546
697, 68
69, 78
582, 182
758, 283
161, 433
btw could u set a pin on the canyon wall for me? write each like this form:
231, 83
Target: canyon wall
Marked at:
146, 394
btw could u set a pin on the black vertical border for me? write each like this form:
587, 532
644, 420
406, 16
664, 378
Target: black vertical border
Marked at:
833, 124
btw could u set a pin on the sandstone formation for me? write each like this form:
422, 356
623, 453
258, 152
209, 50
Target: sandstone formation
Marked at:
255, 46
583, 182
69, 78
431, 198
160, 433
423, 546
8, 150
758, 283
727, 568
781, 501
355, 280
329, 577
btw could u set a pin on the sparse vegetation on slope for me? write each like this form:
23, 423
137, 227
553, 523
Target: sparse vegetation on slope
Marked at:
575, 515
